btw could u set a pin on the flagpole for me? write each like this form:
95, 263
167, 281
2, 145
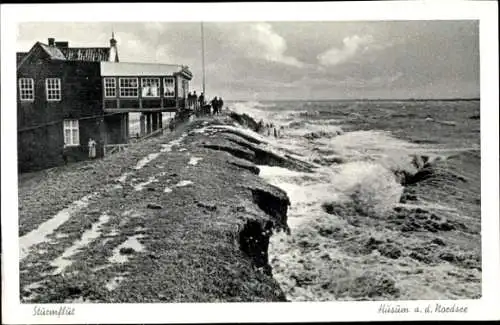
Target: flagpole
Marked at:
203, 55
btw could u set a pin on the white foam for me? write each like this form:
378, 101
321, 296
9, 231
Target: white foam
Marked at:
40, 234
167, 147
34, 285
449, 123
375, 187
252, 108
141, 186
131, 242
167, 190
152, 179
199, 131
30, 287
146, 160
123, 177
306, 191
193, 161
114, 282
88, 236
183, 183
329, 131
99, 268
246, 132
270, 172
362, 144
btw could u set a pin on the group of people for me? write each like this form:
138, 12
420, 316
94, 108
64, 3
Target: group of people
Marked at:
194, 101
217, 104
200, 106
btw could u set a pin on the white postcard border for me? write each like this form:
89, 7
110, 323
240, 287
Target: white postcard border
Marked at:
481, 309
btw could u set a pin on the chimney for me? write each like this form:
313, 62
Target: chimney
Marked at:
113, 51
112, 41
62, 45
51, 41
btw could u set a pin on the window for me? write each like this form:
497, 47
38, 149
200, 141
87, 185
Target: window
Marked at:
53, 88
150, 87
109, 87
26, 89
168, 87
128, 87
71, 133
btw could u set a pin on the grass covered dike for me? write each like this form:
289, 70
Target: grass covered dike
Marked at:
198, 213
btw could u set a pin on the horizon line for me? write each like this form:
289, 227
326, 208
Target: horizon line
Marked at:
367, 99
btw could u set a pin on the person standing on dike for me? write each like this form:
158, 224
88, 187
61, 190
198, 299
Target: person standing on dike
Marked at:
221, 104
189, 100
194, 100
214, 104
202, 100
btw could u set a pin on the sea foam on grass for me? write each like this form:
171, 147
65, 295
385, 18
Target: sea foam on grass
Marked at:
63, 261
126, 248
40, 234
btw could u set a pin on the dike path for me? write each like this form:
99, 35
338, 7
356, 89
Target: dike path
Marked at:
182, 217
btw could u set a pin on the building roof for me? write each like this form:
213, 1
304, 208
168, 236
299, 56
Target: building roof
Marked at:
126, 69
95, 54
20, 56
61, 51
108, 58
53, 52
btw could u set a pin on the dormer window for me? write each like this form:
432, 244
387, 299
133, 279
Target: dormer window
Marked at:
26, 89
53, 89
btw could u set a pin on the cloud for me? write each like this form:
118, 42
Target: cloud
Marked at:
259, 40
352, 45
280, 59
155, 26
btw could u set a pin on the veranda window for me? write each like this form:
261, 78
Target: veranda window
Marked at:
109, 87
128, 87
150, 87
169, 87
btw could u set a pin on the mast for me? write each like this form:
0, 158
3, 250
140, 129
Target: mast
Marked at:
203, 56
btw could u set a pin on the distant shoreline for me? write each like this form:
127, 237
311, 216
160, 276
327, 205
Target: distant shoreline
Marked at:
360, 100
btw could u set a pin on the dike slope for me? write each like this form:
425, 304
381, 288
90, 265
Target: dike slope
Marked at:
182, 217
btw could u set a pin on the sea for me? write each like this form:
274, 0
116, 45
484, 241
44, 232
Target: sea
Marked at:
391, 209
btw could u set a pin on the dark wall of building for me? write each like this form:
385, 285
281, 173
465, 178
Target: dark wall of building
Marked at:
116, 128
40, 148
89, 128
40, 122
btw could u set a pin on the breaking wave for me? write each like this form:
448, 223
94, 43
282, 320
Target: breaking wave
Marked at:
367, 184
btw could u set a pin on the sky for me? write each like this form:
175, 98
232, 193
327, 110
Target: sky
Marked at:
296, 60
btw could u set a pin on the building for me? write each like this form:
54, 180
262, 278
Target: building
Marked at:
67, 96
